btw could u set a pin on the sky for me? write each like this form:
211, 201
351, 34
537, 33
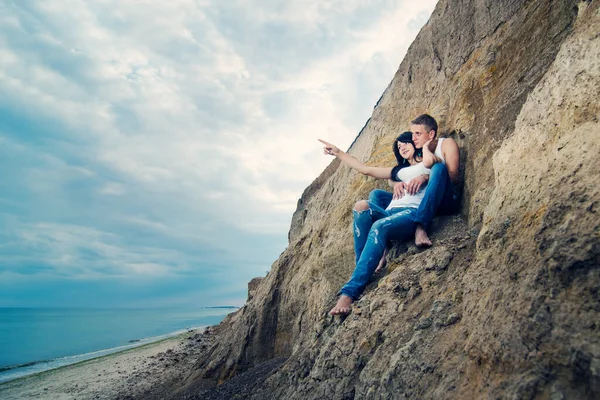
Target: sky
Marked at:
152, 153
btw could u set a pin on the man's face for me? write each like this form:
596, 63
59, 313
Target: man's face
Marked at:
420, 135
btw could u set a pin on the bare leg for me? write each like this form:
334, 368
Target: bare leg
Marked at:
342, 307
383, 261
421, 238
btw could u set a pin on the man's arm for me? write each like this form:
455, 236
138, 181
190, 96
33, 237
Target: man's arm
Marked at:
429, 158
375, 172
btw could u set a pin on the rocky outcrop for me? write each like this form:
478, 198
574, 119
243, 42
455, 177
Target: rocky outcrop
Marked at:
507, 303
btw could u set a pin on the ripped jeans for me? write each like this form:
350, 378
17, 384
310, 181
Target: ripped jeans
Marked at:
373, 229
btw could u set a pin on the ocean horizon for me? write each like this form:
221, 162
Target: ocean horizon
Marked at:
33, 340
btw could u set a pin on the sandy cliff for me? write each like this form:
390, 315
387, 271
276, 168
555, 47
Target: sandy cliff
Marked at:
507, 303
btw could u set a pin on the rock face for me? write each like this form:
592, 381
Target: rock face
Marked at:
506, 304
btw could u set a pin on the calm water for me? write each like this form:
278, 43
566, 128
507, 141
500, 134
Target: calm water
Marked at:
37, 339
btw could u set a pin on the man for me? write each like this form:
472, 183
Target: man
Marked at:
443, 160
439, 197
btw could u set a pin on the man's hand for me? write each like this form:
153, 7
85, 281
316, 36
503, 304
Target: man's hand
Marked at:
429, 158
329, 148
429, 146
398, 190
415, 183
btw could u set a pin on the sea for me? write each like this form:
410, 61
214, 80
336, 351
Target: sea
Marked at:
38, 339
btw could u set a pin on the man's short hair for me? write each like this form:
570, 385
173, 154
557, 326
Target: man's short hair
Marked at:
426, 120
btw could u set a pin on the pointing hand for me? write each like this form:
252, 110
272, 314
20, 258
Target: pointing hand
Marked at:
329, 148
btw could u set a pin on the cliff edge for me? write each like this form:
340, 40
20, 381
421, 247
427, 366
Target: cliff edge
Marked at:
506, 304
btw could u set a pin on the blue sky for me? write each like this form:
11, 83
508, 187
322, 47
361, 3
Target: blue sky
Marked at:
152, 153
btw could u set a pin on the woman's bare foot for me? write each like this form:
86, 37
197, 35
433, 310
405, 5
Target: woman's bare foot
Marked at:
343, 306
421, 238
382, 262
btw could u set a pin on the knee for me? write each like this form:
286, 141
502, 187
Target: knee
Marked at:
374, 195
376, 192
361, 205
439, 168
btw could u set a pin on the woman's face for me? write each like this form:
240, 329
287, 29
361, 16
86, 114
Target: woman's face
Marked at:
407, 150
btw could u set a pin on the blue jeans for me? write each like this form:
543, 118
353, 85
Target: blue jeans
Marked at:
439, 196
438, 200
381, 198
373, 229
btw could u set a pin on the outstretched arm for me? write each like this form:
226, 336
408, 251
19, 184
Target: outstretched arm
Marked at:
375, 172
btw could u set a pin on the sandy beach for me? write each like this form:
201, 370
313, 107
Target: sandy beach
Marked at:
149, 372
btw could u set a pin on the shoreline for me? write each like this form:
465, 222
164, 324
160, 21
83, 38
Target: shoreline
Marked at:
96, 354
145, 371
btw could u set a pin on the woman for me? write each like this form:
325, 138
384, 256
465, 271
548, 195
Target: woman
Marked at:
382, 197
375, 226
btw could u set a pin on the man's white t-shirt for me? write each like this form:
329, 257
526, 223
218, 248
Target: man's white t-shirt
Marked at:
438, 150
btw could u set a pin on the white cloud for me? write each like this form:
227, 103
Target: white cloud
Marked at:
113, 189
192, 119
84, 252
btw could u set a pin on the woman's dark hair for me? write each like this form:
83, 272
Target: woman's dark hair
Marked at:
405, 137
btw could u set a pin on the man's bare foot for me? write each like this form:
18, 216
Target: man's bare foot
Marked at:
382, 262
421, 238
342, 307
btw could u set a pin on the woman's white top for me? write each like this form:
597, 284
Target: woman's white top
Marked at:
405, 175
